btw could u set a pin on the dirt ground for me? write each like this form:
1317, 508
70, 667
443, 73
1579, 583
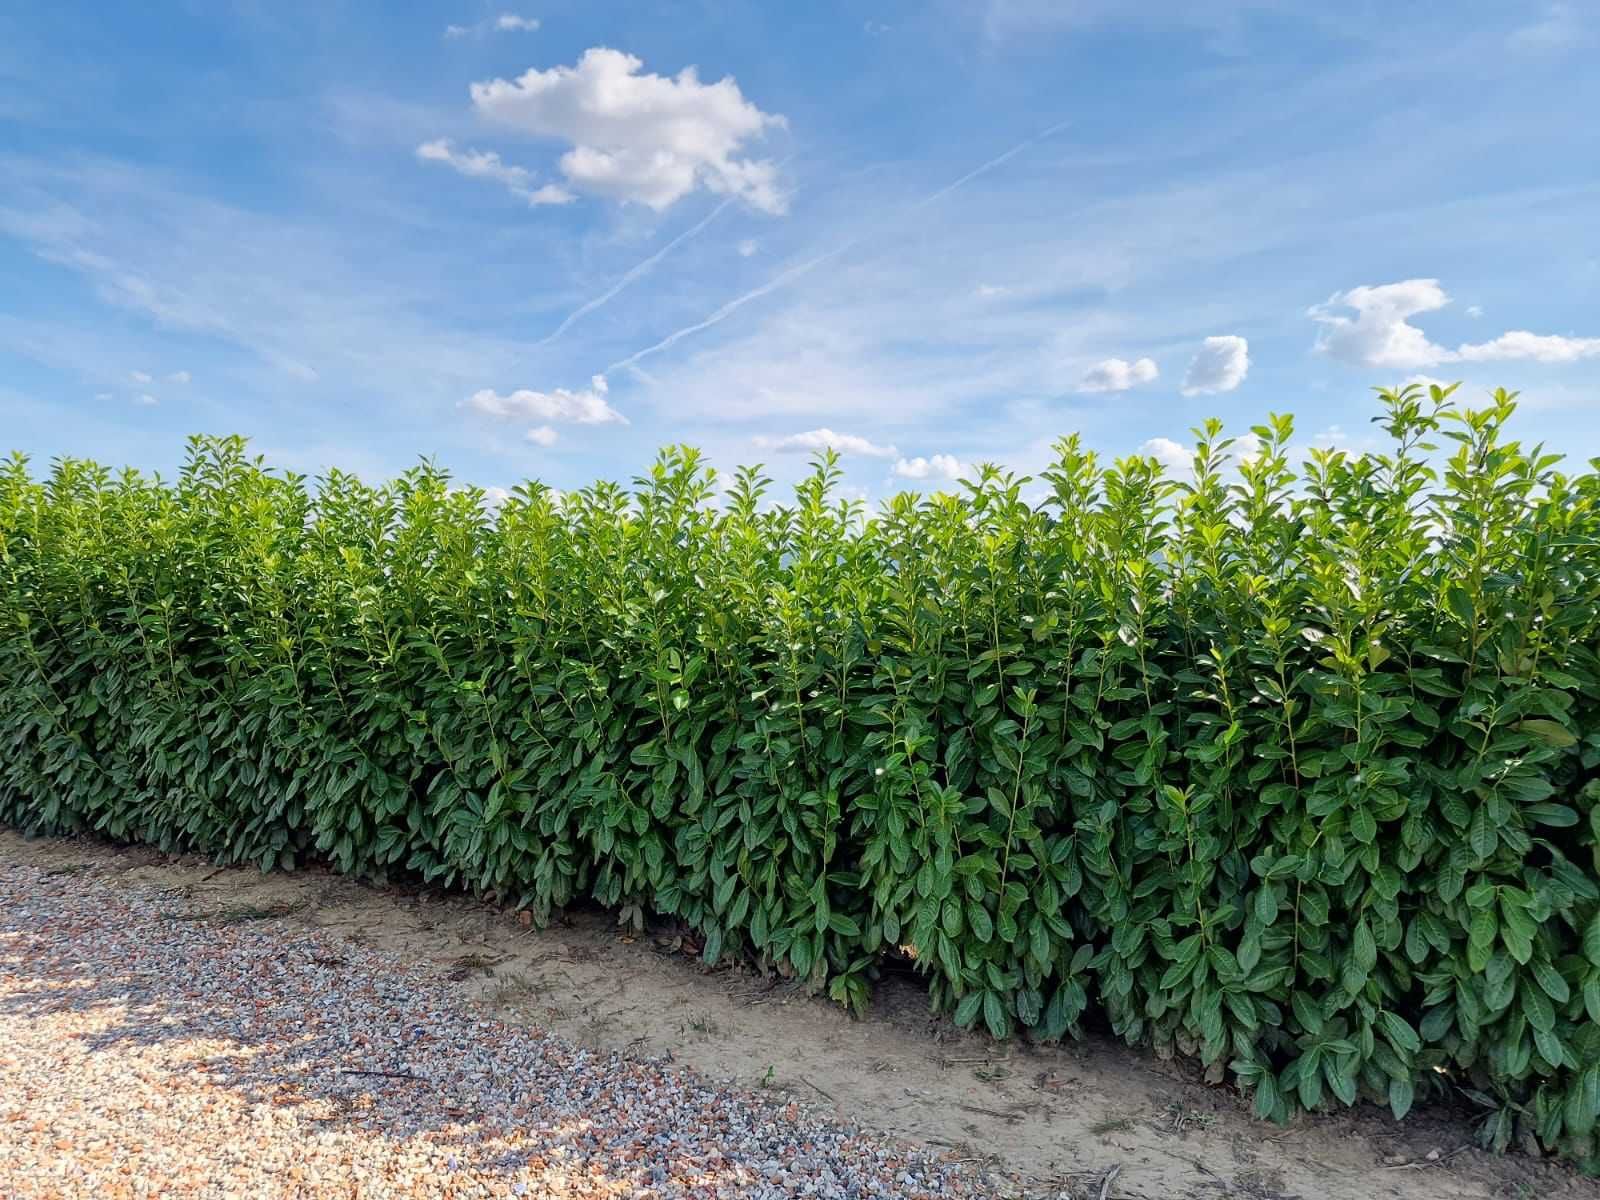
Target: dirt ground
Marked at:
1091, 1119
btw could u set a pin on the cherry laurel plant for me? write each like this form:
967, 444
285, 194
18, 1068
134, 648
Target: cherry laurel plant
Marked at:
1291, 768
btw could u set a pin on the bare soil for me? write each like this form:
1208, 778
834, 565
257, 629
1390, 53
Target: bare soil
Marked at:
1088, 1119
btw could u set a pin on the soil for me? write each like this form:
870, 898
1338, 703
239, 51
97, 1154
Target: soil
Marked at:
1086, 1119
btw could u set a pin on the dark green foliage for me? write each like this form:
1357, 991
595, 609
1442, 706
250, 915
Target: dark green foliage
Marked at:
1295, 772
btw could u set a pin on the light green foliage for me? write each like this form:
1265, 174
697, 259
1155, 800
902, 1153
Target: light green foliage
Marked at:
1294, 770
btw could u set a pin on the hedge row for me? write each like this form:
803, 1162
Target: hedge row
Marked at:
1294, 771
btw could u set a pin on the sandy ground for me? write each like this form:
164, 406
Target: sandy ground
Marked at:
1090, 1119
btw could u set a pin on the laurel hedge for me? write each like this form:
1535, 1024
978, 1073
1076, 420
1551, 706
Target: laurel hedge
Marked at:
1294, 770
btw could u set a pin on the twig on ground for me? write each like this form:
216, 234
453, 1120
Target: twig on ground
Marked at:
385, 1074
819, 1091
1105, 1184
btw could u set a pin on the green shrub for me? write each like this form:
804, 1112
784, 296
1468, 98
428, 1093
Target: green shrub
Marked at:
1292, 772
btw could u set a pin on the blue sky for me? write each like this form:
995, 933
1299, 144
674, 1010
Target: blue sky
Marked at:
542, 239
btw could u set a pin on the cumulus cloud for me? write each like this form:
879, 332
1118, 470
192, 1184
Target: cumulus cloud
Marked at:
748, 247
1178, 459
939, 466
139, 376
988, 291
1379, 333
822, 439
1168, 453
102, 395
640, 137
146, 399
486, 164
179, 377
542, 435
1221, 366
586, 407
1118, 375
1474, 310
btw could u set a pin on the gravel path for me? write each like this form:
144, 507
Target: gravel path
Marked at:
150, 1049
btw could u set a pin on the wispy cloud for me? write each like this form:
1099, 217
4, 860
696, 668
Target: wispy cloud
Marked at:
1559, 28
504, 23
820, 439
486, 164
309, 301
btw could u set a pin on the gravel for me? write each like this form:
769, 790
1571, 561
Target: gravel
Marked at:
150, 1048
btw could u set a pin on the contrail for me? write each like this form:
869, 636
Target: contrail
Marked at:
989, 166
727, 309
585, 309
809, 265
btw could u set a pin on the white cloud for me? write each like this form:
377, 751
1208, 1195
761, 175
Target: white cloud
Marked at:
504, 23
1168, 453
1520, 344
1118, 375
1381, 335
1474, 310
1221, 366
180, 377
1178, 458
102, 395
486, 164
748, 247
1425, 380
139, 376
542, 435
988, 291
821, 439
640, 137
146, 398
586, 407
939, 466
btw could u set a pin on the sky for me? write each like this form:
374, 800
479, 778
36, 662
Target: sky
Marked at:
543, 239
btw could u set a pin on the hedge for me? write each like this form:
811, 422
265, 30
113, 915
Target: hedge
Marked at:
1296, 771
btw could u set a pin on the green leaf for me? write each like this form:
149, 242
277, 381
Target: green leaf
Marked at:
1400, 1097
967, 1011
1482, 836
1365, 948
994, 1015
1552, 733
1551, 981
